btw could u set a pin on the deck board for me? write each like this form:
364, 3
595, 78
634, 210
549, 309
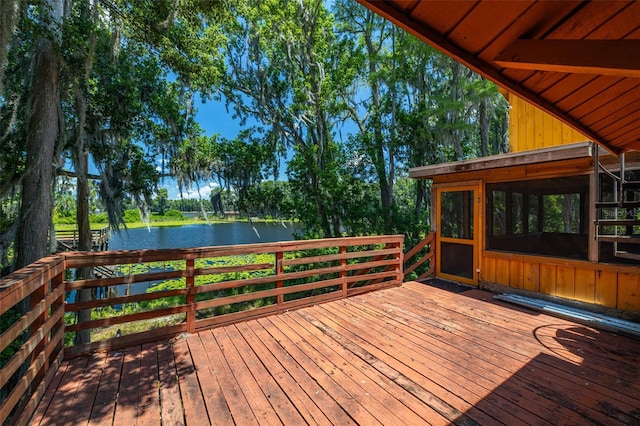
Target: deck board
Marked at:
171, 410
467, 375
88, 389
128, 391
104, 404
410, 355
192, 397
149, 395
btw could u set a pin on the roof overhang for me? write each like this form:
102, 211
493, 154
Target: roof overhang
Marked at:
501, 161
577, 60
579, 156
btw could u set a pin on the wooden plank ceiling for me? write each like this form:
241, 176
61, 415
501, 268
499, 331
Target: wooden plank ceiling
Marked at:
577, 60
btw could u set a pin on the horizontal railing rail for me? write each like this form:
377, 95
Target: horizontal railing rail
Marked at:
156, 294
189, 290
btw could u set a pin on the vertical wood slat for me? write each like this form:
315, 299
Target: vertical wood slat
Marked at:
400, 263
56, 283
488, 271
566, 282
547, 278
34, 300
531, 276
606, 291
585, 285
502, 271
629, 292
516, 273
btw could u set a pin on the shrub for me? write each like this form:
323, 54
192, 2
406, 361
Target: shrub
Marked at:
64, 220
174, 214
132, 215
98, 218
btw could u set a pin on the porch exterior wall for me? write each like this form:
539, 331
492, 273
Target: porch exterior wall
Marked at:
615, 287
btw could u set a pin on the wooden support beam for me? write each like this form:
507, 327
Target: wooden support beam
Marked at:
72, 174
599, 57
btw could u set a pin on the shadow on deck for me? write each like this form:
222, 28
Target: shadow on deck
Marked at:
416, 354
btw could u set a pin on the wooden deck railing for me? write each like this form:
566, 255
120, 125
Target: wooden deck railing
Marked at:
32, 321
421, 258
188, 290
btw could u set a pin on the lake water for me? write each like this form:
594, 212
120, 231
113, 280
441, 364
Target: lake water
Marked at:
187, 236
218, 234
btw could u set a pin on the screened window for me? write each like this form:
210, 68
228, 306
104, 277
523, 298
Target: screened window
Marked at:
499, 213
457, 211
545, 216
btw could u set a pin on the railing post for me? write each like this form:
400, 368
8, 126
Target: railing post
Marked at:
343, 271
191, 296
56, 282
432, 262
35, 298
400, 265
279, 272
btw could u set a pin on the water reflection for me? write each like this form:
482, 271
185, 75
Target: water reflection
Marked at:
202, 235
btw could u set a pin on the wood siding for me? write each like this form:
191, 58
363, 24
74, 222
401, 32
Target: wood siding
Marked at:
531, 128
610, 286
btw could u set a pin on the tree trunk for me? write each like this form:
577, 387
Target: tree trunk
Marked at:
453, 115
84, 238
81, 164
44, 130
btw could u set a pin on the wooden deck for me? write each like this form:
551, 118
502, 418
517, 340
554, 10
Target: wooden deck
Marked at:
409, 355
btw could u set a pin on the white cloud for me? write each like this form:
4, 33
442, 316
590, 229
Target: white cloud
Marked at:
203, 190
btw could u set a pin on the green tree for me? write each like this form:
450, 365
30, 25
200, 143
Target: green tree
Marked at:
285, 70
44, 130
374, 41
97, 75
161, 201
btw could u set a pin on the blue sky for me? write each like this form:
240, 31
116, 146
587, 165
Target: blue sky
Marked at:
213, 118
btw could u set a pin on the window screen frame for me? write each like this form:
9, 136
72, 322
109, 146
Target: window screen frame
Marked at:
536, 241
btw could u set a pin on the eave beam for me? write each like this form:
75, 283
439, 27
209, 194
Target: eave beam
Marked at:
619, 58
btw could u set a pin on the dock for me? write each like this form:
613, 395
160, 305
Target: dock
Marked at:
68, 240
